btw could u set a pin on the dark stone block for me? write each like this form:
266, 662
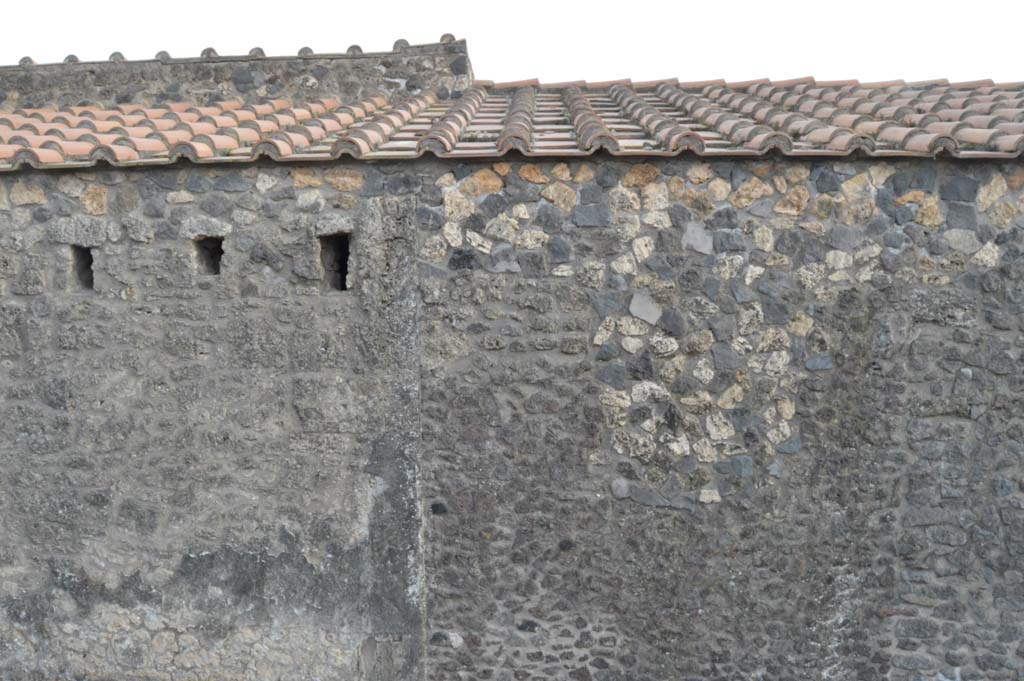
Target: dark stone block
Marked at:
404, 183
463, 259
640, 367
723, 219
725, 357
659, 264
518, 190
673, 323
233, 183
591, 193
460, 65
429, 194
429, 220
595, 215
533, 264
282, 193
195, 183
819, 362
891, 259
894, 239
742, 293
885, 201
528, 626
474, 223
215, 206
373, 183
679, 215
826, 181
738, 466
549, 217
243, 79
729, 240
961, 216
503, 259
918, 628
958, 188
918, 176
790, 446
493, 206
62, 205
607, 303
845, 238
613, 374
607, 176
723, 327
776, 313
559, 250
154, 208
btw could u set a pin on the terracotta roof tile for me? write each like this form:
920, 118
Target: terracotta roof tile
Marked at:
799, 117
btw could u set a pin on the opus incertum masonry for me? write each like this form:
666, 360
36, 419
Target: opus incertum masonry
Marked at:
353, 367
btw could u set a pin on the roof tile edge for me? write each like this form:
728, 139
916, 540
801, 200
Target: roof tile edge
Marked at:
209, 55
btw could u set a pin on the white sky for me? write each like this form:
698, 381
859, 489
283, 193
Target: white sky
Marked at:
554, 41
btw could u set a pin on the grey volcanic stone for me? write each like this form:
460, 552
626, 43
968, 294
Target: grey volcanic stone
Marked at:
826, 180
820, 362
679, 215
726, 240
594, 215
673, 322
503, 259
613, 374
958, 188
961, 216
726, 358
962, 240
644, 306
697, 238
560, 250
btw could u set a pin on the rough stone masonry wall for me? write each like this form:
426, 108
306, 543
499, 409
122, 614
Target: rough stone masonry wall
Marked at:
648, 421
443, 67
206, 477
740, 420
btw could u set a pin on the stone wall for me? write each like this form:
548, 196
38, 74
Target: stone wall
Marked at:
648, 421
443, 67
206, 476
687, 421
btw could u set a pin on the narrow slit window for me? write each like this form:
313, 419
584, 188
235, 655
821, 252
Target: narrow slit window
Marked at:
209, 251
334, 254
81, 266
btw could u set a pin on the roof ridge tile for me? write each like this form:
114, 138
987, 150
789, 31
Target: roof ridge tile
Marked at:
211, 54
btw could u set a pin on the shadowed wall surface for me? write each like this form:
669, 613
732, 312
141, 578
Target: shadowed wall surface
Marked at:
205, 473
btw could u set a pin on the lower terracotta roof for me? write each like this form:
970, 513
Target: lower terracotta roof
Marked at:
663, 118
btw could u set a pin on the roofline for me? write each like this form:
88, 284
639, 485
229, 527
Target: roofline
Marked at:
447, 44
512, 155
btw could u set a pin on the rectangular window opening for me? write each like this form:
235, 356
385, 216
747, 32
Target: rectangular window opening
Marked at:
209, 251
81, 265
334, 253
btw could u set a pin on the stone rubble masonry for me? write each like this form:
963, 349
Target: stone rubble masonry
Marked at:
597, 421
442, 67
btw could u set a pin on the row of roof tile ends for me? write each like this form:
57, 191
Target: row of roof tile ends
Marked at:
800, 118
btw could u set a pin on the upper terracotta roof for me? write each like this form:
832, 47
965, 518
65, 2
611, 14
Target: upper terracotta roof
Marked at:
663, 118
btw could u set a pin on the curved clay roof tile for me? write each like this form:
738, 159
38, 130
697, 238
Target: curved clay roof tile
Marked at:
657, 117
